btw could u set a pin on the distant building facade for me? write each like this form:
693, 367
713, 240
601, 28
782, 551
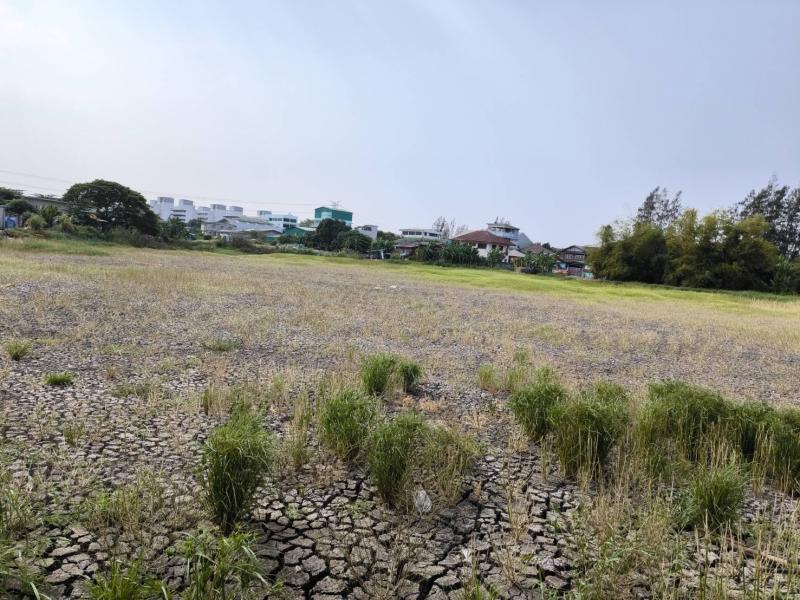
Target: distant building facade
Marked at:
418, 233
327, 212
371, 231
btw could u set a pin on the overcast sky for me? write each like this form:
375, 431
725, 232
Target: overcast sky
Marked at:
559, 116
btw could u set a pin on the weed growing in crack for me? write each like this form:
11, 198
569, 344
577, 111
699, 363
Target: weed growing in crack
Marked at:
129, 582
129, 507
383, 372
390, 452
223, 567
297, 444
221, 344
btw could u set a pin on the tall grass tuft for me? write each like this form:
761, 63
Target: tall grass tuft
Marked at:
783, 455
127, 583
345, 419
377, 372
236, 459
677, 423
410, 373
220, 568
714, 497
391, 451
487, 378
586, 428
297, 444
533, 403
445, 456
17, 349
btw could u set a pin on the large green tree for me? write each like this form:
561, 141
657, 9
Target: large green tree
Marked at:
8, 194
780, 207
107, 204
326, 237
353, 240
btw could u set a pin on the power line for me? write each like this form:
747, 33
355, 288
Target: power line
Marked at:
150, 192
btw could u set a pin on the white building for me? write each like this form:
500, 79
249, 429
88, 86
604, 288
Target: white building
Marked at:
371, 231
231, 225
418, 233
280, 220
166, 208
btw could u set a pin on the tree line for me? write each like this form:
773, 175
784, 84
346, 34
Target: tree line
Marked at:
753, 245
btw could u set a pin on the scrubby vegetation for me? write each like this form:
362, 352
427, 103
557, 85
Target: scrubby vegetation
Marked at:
533, 403
60, 379
383, 372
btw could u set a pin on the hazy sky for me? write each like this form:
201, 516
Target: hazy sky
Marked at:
559, 116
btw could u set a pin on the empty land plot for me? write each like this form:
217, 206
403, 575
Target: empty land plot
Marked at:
146, 334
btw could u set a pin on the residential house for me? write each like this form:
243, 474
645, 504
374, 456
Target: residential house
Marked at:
419, 233
572, 261
485, 242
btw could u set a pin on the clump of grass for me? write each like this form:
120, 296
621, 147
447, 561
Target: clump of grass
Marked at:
236, 459
783, 450
129, 582
16, 511
221, 344
714, 497
345, 419
220, 400
487, 378
410, 373
532, 404
73, 432
139, 389
376, 373
587, 427
391, 448
62, 379
17, 349
750, 423
298, 450
677, 423
130, 506
446, 455
221, 567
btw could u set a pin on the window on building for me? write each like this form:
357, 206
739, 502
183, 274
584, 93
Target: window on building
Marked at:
481, 246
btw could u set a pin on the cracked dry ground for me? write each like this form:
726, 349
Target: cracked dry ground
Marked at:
141, 316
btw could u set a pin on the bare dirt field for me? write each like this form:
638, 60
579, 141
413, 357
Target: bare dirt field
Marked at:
142, 332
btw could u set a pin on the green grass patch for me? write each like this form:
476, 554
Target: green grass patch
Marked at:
391, 449
61, 379
17, 349
714, 497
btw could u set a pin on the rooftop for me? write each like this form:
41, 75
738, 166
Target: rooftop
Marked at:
481, 236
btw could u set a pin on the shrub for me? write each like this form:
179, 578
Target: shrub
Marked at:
532, 403
219, 568
377, 372
62, 379
586, 428
140, 389
236, 459
678, 421
715, 496
345, 419
127, 583
17, 349
390, 453
410, 373
446, 455
36, 223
